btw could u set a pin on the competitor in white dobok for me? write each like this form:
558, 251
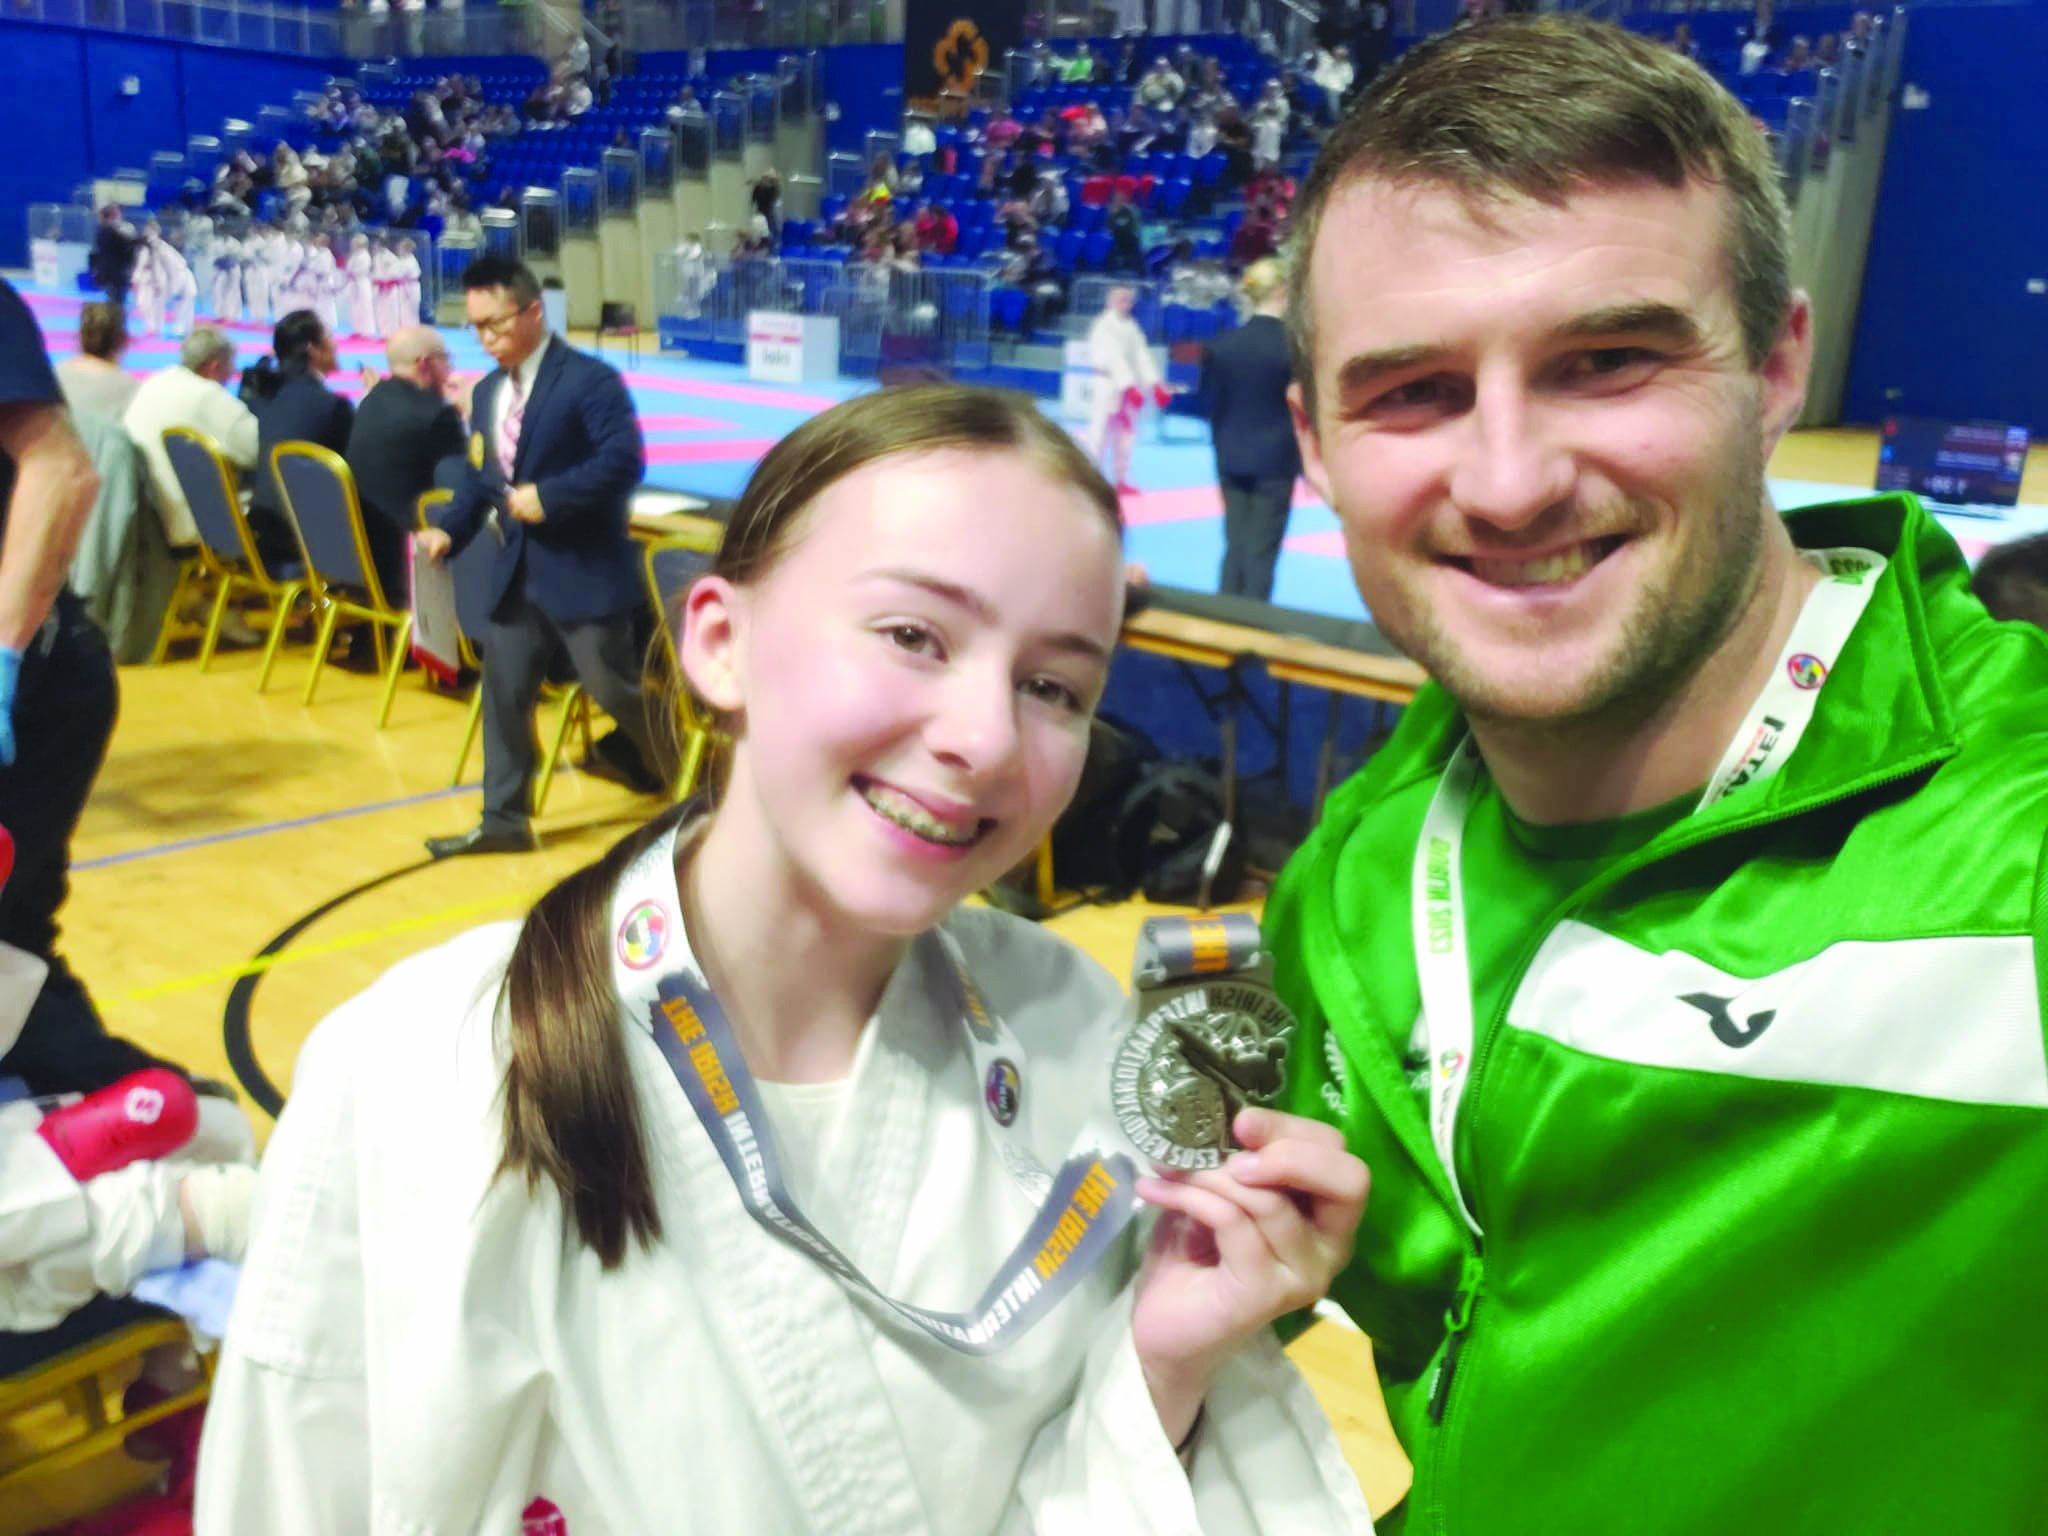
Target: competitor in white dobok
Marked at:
150, 281
384, 273
521, 1280
364, 318
259, 248
408, 293
228, 254
320, 280
180, 289
1124, 375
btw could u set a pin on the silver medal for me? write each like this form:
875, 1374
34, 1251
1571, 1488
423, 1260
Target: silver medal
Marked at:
1194, 1059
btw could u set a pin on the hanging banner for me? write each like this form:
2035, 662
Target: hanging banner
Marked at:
947, 43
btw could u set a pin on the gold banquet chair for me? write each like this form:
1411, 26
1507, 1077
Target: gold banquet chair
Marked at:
471, 570
227, 549
320, 499
63, 1419
672, 565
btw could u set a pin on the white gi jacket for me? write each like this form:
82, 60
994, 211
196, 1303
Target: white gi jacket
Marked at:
1122, 360
417, 1348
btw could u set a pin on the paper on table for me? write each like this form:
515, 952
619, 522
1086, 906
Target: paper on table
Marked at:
436, 634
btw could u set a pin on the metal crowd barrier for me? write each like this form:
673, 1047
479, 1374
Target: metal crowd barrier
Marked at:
936, 318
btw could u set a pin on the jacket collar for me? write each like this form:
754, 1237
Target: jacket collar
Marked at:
1885, 711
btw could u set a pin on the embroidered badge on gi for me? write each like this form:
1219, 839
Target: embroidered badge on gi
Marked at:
1004, 1091
1806, 671
542, 1518
643, 936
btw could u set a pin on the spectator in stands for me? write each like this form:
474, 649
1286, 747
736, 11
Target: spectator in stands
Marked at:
191, 393
1332, 70
1255, 239
1078, 68
1048, 201
1125, 71
94, 382
766, 197
1798, 56
115, 246
937, 231
1126, 243
1245, 374
1827, 53
1136, 131
1160, 89
1234, 139
406, 426
288, 393
288, 175
1002, 131
562, 455
1862, 27
1269, 120
1683, 43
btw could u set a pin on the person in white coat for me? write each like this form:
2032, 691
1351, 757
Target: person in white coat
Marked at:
364, 318
549, 1274
1124, 374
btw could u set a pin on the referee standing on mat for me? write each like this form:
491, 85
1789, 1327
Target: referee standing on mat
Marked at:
555, 452
1245, 374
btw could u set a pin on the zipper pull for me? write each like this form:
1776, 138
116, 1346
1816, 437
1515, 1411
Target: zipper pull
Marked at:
1457, 1320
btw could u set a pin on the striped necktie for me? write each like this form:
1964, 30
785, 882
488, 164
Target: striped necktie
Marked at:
508, 427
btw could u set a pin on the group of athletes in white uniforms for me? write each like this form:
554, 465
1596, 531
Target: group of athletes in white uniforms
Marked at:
267, 273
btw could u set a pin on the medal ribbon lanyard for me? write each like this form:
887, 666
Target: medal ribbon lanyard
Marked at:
1759, 748
1090, 1201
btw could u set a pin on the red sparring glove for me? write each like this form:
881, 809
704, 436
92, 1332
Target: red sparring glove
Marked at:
1134, 400
1161, 396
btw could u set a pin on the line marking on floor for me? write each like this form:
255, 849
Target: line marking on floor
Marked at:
335, 945
264, 829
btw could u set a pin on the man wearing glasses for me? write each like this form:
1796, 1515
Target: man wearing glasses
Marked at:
554, 453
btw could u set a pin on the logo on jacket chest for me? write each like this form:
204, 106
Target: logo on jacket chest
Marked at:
542, 1518
1729, 1030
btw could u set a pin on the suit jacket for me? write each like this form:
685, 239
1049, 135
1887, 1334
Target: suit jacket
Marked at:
1245, 374
580, 447
304, 410
401, 433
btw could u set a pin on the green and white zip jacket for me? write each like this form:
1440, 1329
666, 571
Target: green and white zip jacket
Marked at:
1756, 1131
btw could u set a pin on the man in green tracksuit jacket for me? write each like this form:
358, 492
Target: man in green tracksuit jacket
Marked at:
1676, 965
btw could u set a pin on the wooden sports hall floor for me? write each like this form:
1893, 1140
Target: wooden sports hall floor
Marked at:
223, 816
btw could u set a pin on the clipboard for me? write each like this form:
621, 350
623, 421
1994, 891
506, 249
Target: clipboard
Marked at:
436, 633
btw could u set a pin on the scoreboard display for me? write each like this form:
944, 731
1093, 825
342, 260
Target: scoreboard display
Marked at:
1973, 462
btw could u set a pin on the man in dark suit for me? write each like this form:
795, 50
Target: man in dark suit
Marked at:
404, 427
555, 451
1244, 381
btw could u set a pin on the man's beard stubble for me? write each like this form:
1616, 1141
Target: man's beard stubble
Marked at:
1666, 637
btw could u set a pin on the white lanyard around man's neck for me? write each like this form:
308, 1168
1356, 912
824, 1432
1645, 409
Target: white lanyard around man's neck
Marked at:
1759, 748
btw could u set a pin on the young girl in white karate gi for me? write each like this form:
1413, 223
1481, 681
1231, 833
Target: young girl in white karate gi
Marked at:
363, 316
499, 1272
